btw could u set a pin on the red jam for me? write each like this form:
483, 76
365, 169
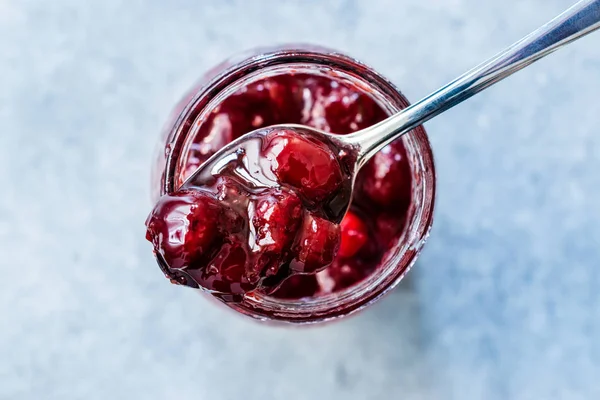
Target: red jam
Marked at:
220, 234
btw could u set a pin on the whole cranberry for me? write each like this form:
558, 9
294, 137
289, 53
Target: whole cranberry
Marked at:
386, 178
184, 228
355, 235
286, 97
227, 273
317, 245
195, 236
249, 109
339, 109
308, 166
258, 105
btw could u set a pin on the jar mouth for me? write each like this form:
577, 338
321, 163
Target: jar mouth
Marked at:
401, 256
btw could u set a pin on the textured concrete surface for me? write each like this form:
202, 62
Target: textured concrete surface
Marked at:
503, 304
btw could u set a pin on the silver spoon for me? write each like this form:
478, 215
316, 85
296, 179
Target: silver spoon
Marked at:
579, 20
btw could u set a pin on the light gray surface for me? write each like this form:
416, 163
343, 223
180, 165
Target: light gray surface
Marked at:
503, 304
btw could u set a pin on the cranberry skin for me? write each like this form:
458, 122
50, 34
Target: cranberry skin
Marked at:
386, 178
227, 272
355, 235
250, 109
309, 167
184, 228
286, 98
339, 109
195, 237
260, 104
276, 220
317, 245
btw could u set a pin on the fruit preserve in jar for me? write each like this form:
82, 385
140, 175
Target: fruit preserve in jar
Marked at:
264, 255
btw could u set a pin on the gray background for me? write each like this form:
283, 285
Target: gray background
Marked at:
503, 304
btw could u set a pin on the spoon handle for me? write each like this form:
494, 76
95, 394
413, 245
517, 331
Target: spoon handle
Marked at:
579, 20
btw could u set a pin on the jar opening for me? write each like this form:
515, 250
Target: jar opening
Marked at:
398, 260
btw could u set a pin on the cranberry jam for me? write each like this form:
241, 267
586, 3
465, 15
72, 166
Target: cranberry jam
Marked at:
279, 254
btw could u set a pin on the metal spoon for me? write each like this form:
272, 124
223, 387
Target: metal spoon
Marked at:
577, 21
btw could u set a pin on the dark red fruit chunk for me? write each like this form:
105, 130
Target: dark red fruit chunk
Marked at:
386, 177
286, 98
184, 228
260, 104
192, 236
227, 272
317, 245
309, 167
276, 220
339, 109
355, 235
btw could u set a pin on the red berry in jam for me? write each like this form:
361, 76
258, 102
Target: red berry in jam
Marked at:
317, 245
184, 228
286, 98
386, 178
339, 109
355, 235
276, 221
308, 166
227, 272
255, 106
250, 109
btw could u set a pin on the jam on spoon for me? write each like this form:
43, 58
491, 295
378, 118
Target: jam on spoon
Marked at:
268, 208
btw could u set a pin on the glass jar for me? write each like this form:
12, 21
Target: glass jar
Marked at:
169, 170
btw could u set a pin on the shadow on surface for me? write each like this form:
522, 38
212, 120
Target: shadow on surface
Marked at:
392, 337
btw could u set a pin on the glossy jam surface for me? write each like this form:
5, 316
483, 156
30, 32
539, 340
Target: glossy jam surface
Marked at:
235, 236
255, 214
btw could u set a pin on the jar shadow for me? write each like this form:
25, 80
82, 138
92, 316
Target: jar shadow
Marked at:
394, 336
